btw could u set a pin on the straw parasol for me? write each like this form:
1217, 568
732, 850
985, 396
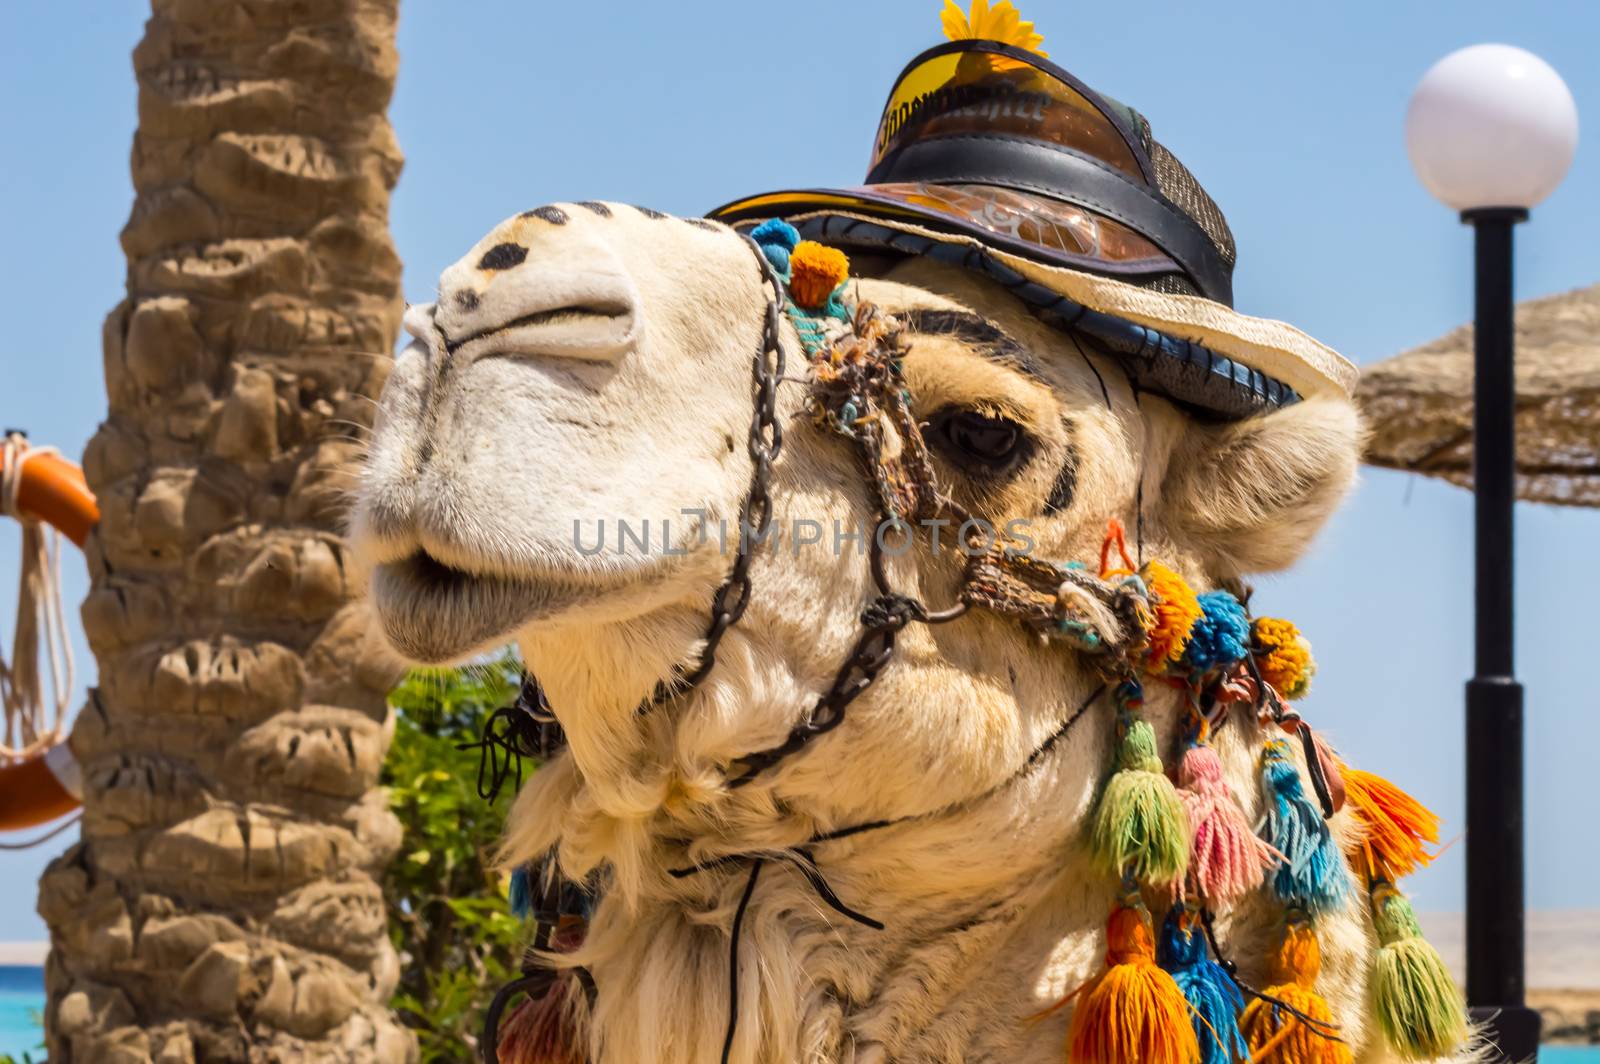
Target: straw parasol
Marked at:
1419, 404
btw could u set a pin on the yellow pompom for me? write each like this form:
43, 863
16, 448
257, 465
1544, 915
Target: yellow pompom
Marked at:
815, 270
1284, 656
1175, 607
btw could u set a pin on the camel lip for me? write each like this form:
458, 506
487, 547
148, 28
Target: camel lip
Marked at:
599, 332
436, 613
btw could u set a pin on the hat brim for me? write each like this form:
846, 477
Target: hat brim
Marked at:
1191, 349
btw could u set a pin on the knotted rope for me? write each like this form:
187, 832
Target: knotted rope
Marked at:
39, 614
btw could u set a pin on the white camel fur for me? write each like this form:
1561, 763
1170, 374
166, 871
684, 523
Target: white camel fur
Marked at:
606, 376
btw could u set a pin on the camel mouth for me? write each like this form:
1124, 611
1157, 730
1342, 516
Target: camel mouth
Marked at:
598, 332
435, 613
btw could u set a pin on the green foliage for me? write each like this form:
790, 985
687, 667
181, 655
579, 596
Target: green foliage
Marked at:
448, 915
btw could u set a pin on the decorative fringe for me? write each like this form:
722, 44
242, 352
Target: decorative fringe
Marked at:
1139, 826
1226, 858
1133, 1012
1312, 875
1276, 1034
1398, 827
1418, 1005
540, 1030
1214, 999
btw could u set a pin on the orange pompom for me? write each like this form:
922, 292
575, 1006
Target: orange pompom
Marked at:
1278, 1035
1396, 826
1133, 1012
1175, 609
815, 270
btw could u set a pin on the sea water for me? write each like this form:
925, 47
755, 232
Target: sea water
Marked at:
21, 1003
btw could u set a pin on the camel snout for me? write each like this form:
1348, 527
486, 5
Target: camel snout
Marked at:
539, 290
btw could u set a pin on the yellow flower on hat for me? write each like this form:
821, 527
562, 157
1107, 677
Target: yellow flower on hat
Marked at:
1002, 23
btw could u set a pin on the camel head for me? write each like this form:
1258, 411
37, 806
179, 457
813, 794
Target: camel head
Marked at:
561, 459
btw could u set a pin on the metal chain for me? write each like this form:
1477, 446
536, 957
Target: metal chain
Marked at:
764, 443
881, 622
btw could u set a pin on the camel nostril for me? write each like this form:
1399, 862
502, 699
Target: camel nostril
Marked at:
553, 215
467, 299
503, 257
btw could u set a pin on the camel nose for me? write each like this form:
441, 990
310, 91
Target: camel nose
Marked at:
545, 283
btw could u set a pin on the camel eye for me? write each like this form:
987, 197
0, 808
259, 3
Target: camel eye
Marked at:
978, 442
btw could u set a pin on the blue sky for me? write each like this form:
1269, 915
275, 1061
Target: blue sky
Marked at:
1290, 115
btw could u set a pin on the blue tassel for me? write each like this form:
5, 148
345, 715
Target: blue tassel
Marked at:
521, 892
1214, 999
1312, 875
1221, 636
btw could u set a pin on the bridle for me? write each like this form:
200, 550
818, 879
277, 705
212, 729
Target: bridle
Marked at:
862, 395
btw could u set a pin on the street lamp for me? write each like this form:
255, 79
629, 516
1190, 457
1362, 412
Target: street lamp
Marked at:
1491, 131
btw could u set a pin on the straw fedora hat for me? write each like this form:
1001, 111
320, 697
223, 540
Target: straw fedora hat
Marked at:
992, 158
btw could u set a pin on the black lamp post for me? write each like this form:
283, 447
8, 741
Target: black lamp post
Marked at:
1491, 131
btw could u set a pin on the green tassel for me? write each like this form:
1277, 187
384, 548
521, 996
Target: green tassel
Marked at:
1140, 829
1419, 1007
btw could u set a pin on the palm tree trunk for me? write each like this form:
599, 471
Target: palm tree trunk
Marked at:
223, 904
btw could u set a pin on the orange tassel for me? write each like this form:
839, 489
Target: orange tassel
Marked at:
1133, 1012
1397, 827
1277, 1035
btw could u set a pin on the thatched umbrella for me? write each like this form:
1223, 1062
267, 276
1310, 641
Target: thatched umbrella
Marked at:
1420, 403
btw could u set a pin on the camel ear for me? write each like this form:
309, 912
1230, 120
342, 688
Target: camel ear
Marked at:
1248, 497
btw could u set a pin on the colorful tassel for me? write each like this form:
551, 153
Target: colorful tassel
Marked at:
540, 1030
1220, 636
1276, 1034
1418, 1005
1139, 826
815, 271
1214, 998
1398, 828
1226, 858
1283, 655
1312, 875
1133, 1011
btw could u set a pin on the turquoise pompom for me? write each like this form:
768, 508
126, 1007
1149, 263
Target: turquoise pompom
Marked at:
776, 231
1221, 635
778, 255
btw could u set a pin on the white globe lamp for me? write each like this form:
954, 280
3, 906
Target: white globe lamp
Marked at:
1491, 126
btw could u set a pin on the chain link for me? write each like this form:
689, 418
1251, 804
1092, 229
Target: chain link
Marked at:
763, 444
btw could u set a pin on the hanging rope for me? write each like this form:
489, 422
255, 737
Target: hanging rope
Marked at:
39, 613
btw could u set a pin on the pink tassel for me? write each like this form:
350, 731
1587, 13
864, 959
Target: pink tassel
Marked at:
540, 1030
1226, 858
